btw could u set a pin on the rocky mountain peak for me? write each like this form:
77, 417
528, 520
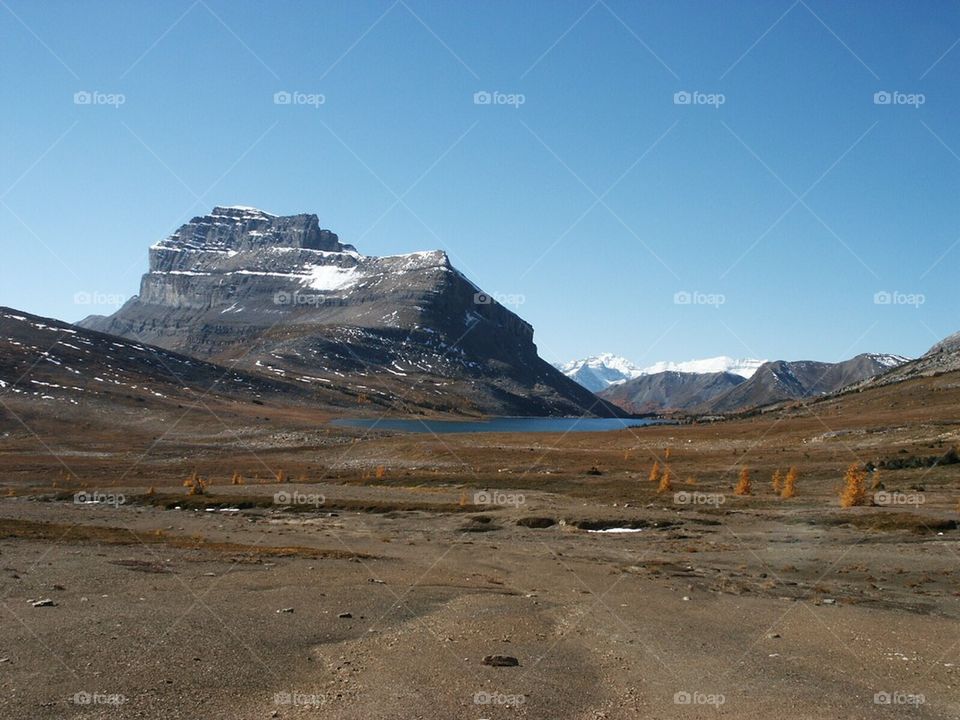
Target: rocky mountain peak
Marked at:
233, 229
280, 295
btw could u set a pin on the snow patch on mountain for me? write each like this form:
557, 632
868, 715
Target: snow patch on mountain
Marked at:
332, 277
599, 372
744, 367
889, 360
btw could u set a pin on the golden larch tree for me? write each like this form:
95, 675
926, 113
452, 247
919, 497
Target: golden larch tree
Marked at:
777, 481
655, 471
854, 491
743, 484
789, 484
666, 484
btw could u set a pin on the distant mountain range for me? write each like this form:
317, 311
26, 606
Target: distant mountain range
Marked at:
599, 372
720, 384
782, 380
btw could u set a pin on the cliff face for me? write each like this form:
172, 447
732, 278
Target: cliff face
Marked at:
282, 295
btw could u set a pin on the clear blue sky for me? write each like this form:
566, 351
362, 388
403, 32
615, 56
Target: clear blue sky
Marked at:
597, 199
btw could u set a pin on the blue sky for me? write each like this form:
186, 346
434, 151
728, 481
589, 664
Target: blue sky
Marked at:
779, 202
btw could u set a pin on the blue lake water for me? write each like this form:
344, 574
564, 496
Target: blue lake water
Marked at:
500, 424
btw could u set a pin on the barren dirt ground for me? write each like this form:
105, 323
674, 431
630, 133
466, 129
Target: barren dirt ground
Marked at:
376, 580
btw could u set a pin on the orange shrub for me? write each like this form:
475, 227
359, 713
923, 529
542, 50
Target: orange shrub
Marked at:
665, 481
854, 487
655, 471
789, 483
777, 481
743, 485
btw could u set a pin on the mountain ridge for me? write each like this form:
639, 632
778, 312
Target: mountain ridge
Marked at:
772, 382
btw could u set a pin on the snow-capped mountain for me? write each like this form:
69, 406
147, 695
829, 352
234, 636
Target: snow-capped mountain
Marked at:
744, 367
599, 372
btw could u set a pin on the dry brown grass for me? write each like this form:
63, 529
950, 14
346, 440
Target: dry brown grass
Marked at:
247, 502
886, 521
107, 535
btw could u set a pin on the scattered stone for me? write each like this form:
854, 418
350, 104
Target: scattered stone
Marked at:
45, 602
345, 615
773, 636
285, 610
501, 661
829, 601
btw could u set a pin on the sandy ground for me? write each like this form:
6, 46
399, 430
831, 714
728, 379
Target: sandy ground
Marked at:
747, 611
